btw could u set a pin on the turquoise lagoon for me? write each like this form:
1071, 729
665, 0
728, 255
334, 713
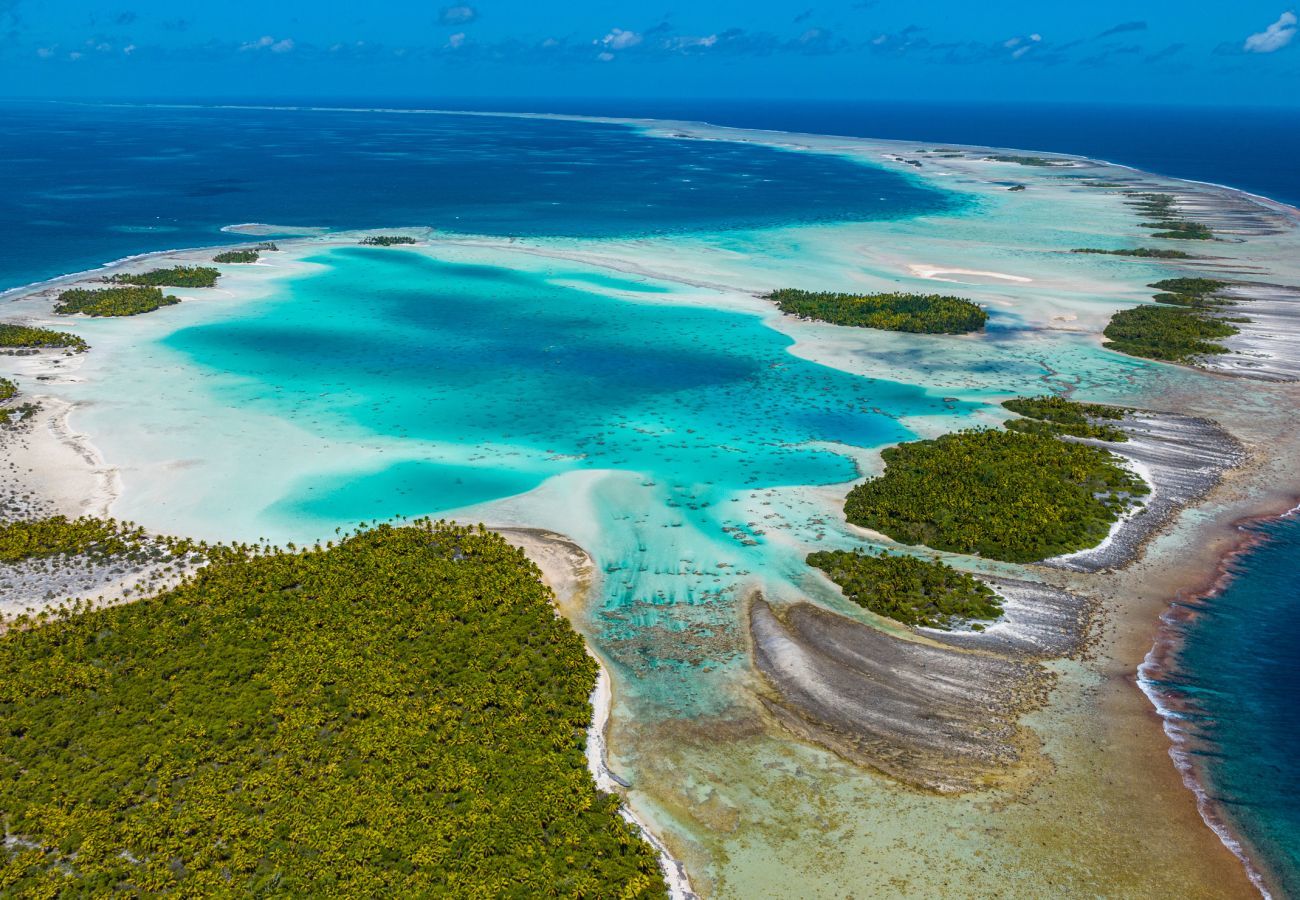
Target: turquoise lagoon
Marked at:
668, 429
667, 434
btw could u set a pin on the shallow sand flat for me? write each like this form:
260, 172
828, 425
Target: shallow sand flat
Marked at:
732, 794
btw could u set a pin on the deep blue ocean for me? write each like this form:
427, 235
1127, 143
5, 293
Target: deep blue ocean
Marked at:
83, 185
1237, 675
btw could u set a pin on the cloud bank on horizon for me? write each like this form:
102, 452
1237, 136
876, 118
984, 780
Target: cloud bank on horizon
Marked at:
925, 49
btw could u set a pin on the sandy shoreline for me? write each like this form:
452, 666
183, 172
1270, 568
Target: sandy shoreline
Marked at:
570, 573
1152, 584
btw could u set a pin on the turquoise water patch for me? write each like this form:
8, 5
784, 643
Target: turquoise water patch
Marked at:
481, 382
435, 485
507, 365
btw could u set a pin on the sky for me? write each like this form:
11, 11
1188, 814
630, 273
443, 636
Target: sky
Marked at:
1160, 51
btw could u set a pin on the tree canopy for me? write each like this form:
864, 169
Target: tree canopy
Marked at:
921, 592
924, 313
401, 714
1001, 494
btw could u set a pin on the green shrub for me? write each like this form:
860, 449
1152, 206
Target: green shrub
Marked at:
27, 337
117, 301
924, 593
925, 313
237, 256
1005, 495
388, 240
1170, 333
1052, 415
176, 276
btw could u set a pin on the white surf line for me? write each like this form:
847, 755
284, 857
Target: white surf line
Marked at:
1181, 755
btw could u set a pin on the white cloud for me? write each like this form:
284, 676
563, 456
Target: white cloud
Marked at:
618, 39
44, 52
129, 49
457, 15
456, 40
1275, 37
687, 42
605, 57
266, 42
1022, 44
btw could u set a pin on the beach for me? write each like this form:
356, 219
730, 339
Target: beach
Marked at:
1081, 797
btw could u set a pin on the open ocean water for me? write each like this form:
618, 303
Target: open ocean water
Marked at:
80, 186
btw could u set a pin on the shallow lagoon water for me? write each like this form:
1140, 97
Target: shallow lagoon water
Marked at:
485, 381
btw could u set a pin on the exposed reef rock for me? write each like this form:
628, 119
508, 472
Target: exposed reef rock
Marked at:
1181, 457
1038, 621
934, 717
1268, 346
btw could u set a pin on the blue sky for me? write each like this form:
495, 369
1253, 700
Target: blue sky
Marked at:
1242, 52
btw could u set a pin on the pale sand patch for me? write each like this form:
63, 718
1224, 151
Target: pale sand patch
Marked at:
60, 466
938, 273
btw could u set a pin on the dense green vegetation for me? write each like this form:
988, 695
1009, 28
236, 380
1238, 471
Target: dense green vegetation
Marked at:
1181, 230
1198, 292
1050, 414
61, 535
1171, 333
8, 390
919, 592
1168, 224
923, 313
1041, 162
176, 276
116, 301
27, 337
1197, 286
399, 715
1002, 494
237, 256
388, 240
1141, 252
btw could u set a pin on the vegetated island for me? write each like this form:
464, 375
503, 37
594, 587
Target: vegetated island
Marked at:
1169, 224
1008, 495
176, 276
28, 338
1038, 162
398, 714
388, 240
237, 256
1200, 292
114, 301
1169, 333
913, 313
1052, 415
919, 592
1140, 252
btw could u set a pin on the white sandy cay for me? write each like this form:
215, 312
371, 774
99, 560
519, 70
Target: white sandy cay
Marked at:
971, 276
